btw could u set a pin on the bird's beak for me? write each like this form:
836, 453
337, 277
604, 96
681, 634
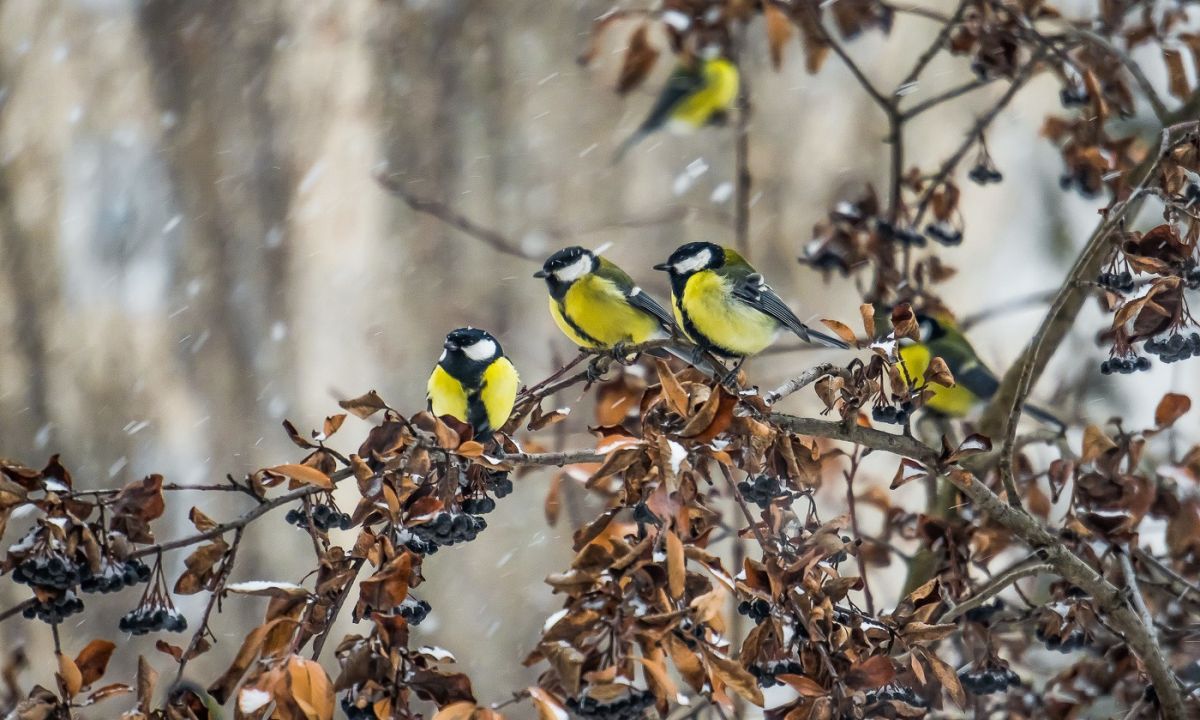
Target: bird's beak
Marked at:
541, 274
663, 266
450, 345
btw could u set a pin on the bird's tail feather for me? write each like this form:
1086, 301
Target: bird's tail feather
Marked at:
628, 144
821, 338
1044, 416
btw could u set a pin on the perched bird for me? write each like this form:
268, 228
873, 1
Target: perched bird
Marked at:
696, 94
188, 700
725, 306
974, 383
473, 382
597, 305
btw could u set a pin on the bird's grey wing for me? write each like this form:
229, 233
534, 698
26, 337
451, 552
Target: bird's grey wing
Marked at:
754, 291
640, 300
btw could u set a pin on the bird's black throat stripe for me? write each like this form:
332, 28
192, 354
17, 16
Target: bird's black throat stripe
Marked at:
694, 333
562, 310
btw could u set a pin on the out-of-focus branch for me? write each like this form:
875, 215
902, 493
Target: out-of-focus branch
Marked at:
946, 96
450, 216
1135, 592
743, 179
936, 46
1143, 82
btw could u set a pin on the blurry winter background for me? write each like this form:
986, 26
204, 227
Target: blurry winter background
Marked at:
193, 247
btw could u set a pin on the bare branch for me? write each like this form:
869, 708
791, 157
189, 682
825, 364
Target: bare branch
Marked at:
938, 43
973, 135
946, 96
451, 217
995, 587
1143, 82
1109, 599
802, 381
213, 599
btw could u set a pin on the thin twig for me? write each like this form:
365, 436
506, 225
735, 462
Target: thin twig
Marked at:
938, 43
952, 93
976, 131
802, 381
995, 587
319, 643
451, 217
743, 178
1179, 584
214, 598
1143, 82
1139, 600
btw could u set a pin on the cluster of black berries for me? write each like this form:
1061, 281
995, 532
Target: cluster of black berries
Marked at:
985, 681
765, 674
892, 414
1174, 348
324, 517
756, 609
984, 612
353, 711
449, 528
1071, 642
1121, 282
985, 173
413, 610
114, 576
54, 610
1079, 180
900, 693
49, 571
761, 490
1191, 277
944, 232
152, 618
499, 483
902, 235
644, 515
1125, 365
1074, 96
630, 707
478, 506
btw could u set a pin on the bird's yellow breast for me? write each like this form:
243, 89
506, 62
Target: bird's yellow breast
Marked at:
954, 401
447, 396
722, 320
594, 313
718, 93
499, 393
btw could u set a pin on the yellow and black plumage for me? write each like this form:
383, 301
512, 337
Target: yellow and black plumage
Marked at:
597, 305
974, 383
698, 93
724, 305
473, 382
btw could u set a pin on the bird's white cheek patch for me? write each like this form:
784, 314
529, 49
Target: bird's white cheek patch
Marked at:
575, 270
693, 263
481, 350
442, 356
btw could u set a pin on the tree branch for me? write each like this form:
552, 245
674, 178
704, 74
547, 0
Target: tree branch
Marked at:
1143, 82
451, 217
1005, 406
995, 587
802, 381
1109, 599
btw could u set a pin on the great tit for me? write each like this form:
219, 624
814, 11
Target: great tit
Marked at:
473, 382
697, 94
596, 304
725, 306
974, 383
